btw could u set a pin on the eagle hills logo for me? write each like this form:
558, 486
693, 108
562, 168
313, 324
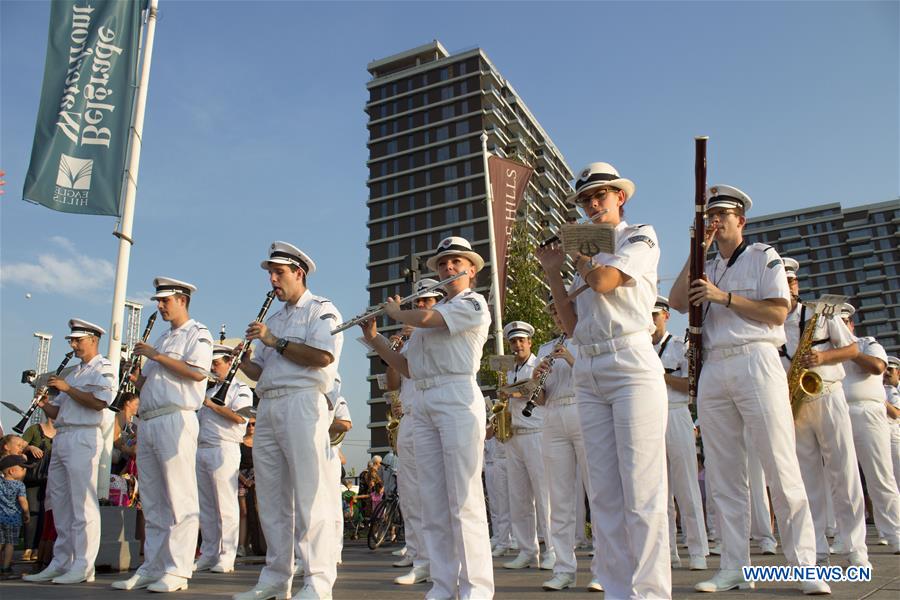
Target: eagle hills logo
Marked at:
74, 173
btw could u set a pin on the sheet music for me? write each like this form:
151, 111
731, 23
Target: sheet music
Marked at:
502, 362
588, 239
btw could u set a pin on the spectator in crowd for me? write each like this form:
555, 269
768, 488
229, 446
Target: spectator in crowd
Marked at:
13, 508
39, 435
14, 444
125, 435
245, 485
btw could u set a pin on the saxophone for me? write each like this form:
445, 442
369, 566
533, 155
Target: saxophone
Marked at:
501, 416
393, 422
804, 384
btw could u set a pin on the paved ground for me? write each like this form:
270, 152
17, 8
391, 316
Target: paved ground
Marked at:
368, 575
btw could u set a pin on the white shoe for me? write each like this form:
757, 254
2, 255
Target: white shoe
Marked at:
47, 574
522, 561
135, 582
74, 577
816, 587
767, 547
725, 580
838, 548
859, 559
400, 552
882, 541
716, 549
559, 582
263, 592
405, 561
500, 551
219, 568
416, 575
168, 583
309, 593
674, 560
204, 564
594, 586
549, 561
697, 563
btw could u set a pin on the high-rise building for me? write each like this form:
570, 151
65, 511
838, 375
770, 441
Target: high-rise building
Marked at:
427, 111
849, 251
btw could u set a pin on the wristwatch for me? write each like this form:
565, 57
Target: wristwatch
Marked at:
281, 345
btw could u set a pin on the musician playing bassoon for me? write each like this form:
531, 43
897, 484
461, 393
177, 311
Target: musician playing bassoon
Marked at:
619, 388
745, 302
442, 357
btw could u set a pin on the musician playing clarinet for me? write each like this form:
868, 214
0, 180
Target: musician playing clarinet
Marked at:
218, 458
172, 385
295, 363
442, 356
745, 301
72, 482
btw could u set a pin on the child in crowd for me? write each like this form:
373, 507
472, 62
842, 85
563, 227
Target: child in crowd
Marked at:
13, 508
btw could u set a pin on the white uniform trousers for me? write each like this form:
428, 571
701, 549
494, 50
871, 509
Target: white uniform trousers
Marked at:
564, 456
622, 407
529, 498
498, 497
760, 509
294, 482
872, 440
167, 472
217, 484
449, 438
410, 492
712, 518
824, 432
72, 485
335, 459
895, 450
580, 508
748, 388
681, 454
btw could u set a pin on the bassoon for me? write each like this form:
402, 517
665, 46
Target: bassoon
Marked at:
125, 385
697, 267
43, 391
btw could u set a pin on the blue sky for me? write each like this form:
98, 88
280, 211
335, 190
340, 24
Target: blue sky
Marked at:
255, 131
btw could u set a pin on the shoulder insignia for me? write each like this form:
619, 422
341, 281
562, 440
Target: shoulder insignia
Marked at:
328, 316
109, 375
205, 341
641, 238
773, 263
475, 303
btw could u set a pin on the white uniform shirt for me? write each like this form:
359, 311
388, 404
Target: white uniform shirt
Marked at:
830, 333
95, 377
626, 309
758, 274
407, 391
216, 430
456, 349
309, 322
559, 383
674, 360
860, 385
523, 373
191, 343
893, 398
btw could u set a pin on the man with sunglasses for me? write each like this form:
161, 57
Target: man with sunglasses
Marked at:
745, 299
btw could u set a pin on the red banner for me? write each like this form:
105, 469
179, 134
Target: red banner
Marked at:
508, 181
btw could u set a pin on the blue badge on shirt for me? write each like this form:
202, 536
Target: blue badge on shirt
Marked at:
474, 303
328, 316
641, 238
774, 263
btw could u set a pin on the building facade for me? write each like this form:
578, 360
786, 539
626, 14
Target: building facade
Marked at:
849, 251
427, 111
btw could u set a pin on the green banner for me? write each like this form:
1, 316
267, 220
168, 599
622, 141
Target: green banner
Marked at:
83, 122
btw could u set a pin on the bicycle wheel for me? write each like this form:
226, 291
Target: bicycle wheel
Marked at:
381, 523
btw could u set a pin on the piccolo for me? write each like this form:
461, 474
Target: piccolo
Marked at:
43, 391
583, 221
124, 385
379, 310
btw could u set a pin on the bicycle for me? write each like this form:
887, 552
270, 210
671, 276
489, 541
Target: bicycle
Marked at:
386, 517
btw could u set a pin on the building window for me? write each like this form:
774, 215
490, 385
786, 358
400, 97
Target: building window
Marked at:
467, 232
446, 92
443, 153
393, 271
449, 172
462, 127
442, 134
393, 249
452, 214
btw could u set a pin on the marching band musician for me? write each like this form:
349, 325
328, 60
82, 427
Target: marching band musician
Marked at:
341, 423
408, 476
823, 429
681, 446
443, 356
871, 430
563, 451
619, 387
497, 485
72, 480
529, 498
218, 459
892, 405
295, 366
172, 385
743, 383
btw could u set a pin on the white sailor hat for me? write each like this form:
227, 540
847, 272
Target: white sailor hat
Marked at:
893, 362
455, 246
220, 350
727, 196
80, 328
518, 329
600, 174
791, 267
166, 287
847, 310
427, 283
282, 253
662, 304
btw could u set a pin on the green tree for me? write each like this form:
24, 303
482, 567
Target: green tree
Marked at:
526, 291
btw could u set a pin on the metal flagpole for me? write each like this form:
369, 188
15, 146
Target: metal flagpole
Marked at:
495, 278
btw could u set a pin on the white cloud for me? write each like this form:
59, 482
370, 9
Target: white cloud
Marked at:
67, 272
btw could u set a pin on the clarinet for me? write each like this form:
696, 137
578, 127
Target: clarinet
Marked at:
124, 385
529, 406
219, 397
697, 267
41, 393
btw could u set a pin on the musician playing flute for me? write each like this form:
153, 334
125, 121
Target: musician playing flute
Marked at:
72, 481
172, 385
218, 459
619, 388
442, 357
295, 364
746, 300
